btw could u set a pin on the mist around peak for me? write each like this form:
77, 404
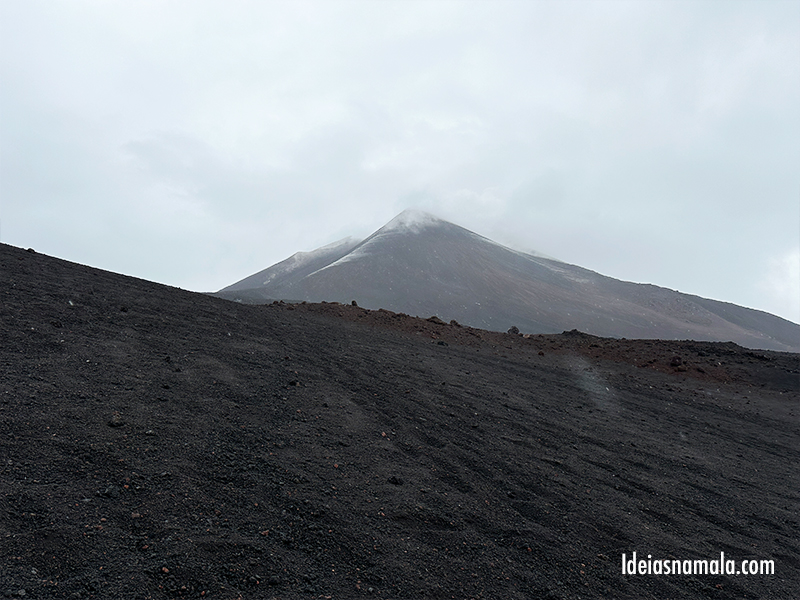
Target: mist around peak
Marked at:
413, 220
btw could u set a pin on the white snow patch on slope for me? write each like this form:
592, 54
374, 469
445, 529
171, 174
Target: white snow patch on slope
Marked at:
565, 272
408, 221
298, 259
349, 257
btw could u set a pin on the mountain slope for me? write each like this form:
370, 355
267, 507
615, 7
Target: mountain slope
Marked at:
422, 265
163, 444
297, 266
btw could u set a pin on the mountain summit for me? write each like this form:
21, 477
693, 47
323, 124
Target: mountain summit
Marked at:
422, 265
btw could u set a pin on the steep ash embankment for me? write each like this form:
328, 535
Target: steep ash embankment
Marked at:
156, 443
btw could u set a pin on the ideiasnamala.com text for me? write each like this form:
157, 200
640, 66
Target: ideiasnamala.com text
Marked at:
670, 566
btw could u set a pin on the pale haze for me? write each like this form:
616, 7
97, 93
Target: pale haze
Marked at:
195, 143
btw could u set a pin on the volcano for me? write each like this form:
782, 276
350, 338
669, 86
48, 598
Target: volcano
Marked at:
422, 265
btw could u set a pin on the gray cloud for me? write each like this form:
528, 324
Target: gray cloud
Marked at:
195, 143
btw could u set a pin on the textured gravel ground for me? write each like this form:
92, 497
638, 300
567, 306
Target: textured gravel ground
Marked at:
156, 443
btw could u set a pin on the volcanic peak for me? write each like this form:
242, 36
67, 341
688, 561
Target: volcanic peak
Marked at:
412, 220
419, 264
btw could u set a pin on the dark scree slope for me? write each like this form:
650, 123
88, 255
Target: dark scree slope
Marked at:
156, 443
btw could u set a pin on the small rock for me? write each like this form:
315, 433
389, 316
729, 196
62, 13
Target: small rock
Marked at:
111, 491
675, 361
116, 419
354, 303
513, 330
274, 580
395, 480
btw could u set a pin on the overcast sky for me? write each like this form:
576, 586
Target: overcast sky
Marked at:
195, 143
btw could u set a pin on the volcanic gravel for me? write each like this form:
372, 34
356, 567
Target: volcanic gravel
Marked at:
158, 443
